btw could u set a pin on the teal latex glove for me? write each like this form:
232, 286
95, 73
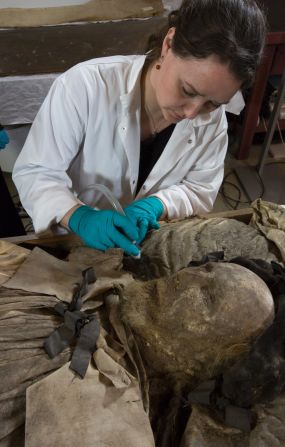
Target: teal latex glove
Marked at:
104, 229
4, 138
145, 214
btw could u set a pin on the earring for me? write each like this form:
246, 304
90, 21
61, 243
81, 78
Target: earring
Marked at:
159, 65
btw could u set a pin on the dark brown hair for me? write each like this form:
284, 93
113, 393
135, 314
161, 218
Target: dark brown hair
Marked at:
233, 30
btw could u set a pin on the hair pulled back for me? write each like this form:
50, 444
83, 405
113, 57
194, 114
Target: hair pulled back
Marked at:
233, 30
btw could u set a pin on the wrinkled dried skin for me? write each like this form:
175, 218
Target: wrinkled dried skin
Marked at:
270, 425
176, 244
204, 429
196, 322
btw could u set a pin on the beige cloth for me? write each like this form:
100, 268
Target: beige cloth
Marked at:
11, 257
43, 273
26, 319
269, 219
63, 410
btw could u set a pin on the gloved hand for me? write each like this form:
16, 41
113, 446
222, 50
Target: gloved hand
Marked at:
104, 229
4, 138
145, 214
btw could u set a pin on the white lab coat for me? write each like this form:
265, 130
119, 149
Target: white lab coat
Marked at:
87, 131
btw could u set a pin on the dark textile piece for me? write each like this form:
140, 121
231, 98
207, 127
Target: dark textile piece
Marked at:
151, 150
259, 376
210, 257
77, 325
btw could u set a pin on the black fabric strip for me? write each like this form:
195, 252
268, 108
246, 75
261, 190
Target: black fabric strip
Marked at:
85, 346
78, 327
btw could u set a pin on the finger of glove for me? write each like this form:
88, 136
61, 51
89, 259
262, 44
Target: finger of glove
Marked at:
136, 212
120, 240
94, 242
126, 225
102, 239
154, 225
143, 227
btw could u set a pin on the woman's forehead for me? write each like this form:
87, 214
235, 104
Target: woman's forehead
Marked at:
209, 77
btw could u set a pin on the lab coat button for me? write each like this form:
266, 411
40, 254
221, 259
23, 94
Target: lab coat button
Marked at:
144, 186
134, 182
189, 141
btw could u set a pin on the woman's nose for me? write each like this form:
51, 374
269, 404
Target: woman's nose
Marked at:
193, 108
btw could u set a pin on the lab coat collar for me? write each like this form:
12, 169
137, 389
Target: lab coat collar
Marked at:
236, 104
202, 120
130, 100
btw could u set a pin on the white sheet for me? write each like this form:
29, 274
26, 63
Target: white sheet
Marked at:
22, 96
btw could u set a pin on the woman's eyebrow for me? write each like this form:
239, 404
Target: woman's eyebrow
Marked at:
200, 94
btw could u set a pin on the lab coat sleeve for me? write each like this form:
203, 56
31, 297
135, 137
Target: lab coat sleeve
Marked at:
54, 140
197, 191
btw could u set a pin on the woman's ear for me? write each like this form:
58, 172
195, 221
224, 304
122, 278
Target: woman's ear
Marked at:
167, 42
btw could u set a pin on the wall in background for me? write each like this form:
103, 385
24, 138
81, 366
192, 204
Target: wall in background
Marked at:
92, 10
39, 3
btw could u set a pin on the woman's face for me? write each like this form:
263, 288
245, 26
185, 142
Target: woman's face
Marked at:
187, 87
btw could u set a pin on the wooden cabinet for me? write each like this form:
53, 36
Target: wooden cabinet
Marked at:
273, 64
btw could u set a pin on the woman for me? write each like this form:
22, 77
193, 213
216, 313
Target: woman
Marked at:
151, 128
